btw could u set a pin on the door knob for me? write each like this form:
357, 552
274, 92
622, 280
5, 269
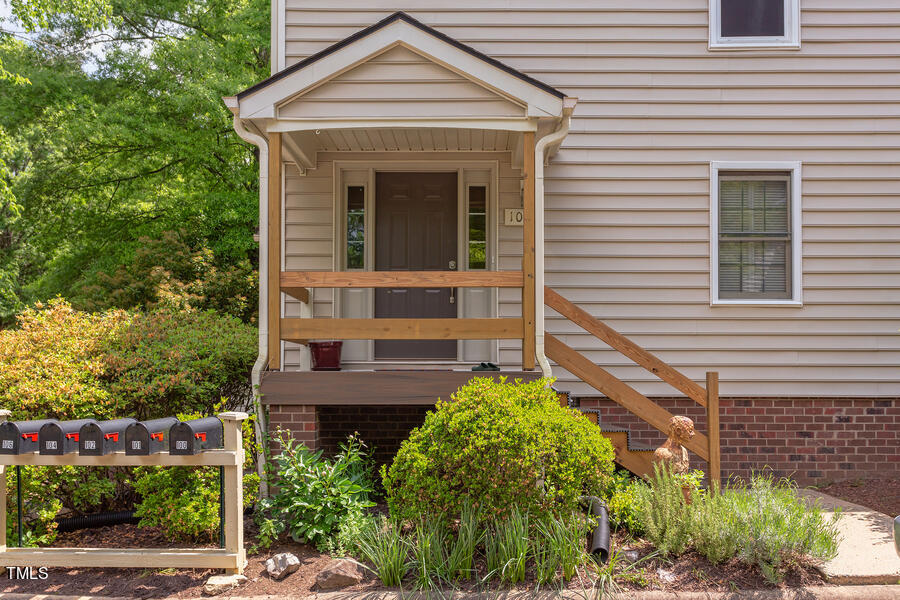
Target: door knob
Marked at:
452, 265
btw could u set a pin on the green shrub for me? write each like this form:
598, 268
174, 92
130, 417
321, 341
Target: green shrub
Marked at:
52, 364
498, 444
622, 503
314, 493
382, 544
166, 272
184, 501
66, 364
346, 540
170, 362
767, 525
663, 512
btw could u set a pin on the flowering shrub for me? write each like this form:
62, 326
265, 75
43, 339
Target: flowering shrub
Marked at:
52, 365
67, 364
169, 362
498, 445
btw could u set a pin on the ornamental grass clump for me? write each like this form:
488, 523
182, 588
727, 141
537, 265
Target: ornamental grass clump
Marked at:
461, 557
498, 444
507, 547
558, 546
382, 544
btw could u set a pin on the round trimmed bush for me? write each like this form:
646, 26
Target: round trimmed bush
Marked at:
498, 445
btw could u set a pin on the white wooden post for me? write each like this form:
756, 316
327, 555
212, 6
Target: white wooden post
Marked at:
234, 492
4, 416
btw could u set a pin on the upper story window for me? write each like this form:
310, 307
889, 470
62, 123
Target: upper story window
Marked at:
755, 241
736, 24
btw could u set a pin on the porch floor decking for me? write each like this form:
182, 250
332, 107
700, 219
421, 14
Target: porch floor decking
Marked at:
375, 388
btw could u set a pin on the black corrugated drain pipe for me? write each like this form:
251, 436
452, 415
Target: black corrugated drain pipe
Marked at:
600, 535
96, 520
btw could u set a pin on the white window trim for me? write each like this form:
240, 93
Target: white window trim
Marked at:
790, 41
796, 232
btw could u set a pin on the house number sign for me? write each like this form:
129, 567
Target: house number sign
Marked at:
514, 217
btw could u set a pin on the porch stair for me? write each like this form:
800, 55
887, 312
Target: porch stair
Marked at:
637, 460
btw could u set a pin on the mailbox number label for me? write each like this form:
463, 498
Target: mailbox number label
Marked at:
90, 444
51, 445
7, 444
136, 444
181, 444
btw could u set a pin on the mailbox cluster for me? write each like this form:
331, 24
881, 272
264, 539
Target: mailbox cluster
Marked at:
97, 438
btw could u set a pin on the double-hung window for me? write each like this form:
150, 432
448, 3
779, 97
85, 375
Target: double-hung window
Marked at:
736, 24
755, 241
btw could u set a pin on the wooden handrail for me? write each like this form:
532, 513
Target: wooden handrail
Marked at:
393, 279
706, 446
618, 391
617, 341
294, 329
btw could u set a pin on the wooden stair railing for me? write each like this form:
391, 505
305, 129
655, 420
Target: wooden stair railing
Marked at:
705, 446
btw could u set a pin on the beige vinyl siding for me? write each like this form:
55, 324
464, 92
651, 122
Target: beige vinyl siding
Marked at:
627, 197
398, 83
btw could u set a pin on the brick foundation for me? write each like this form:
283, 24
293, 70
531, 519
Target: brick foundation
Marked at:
382, 428
808, 439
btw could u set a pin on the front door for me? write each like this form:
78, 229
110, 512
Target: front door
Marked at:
415, 230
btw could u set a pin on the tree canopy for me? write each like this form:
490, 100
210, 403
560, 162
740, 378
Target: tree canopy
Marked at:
113, 136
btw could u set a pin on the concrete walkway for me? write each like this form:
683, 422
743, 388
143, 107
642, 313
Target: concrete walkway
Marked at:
866, 554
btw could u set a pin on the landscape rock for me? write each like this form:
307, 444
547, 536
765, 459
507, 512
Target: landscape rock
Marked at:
340, 572
631, 556
219, 584
666, 576
282, 565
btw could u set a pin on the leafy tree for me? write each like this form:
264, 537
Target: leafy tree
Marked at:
121, 135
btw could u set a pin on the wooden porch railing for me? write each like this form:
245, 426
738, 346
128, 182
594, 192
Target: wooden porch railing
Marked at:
706, 446
297, 284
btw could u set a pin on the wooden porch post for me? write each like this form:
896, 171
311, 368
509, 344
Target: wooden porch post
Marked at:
274, 253
528, 233
712, 422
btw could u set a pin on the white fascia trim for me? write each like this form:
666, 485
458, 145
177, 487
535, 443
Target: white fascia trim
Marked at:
539, 103
791, 41
795, 168
502, 124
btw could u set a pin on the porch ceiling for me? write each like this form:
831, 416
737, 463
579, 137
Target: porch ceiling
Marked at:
425, 139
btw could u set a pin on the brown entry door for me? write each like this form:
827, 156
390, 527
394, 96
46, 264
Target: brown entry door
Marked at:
415, 230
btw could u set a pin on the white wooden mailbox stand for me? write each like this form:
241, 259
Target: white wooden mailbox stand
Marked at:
232, 557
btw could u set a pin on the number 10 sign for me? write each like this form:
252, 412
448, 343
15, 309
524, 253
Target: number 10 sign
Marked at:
514, 217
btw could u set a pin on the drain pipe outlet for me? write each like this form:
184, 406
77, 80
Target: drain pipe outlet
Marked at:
539, 149
600, 534
262, 353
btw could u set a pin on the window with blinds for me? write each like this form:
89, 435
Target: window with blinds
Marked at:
754, 235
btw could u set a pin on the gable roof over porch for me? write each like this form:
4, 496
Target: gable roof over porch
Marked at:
412, 63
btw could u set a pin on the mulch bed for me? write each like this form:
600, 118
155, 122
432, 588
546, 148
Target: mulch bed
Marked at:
882, 495
692, 572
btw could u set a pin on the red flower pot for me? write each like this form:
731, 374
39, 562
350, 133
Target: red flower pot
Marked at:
326, 356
